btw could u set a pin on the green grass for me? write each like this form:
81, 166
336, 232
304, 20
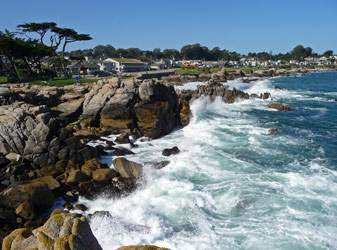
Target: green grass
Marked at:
197, 70
3, 79
126, 77
60, 82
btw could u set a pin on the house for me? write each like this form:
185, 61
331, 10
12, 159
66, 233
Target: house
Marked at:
75, 67
78, 67
126, 65
108, 65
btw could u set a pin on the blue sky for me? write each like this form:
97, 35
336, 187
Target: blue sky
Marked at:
236, 25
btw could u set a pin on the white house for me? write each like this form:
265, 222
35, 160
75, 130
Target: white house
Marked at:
126, 65
108, 65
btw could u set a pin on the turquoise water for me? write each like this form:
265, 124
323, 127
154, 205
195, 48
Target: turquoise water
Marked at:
234, 186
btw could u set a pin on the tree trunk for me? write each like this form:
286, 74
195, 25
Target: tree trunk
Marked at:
28, 66
64, 67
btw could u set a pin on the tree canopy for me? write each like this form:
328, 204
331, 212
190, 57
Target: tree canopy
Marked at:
31, 51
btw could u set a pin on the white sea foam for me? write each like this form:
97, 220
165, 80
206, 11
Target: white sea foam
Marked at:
189, 86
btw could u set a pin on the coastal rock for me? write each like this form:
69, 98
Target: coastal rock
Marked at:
170, 151
279, 107
81, 207
28, 197
70, 197
76, 176
184, 105
123, 138
90, 166
116, 113
35, 135
103, 174
273, 131
265, 96
278, 88
158, 114
70, 110
61, 231
158, 165
94, 102
128, 169
121, 151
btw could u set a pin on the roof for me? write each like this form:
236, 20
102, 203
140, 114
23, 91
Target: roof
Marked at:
78, 64
126, 60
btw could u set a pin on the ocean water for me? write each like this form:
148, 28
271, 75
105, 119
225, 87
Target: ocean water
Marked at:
234, 186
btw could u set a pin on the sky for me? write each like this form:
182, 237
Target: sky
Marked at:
237, 25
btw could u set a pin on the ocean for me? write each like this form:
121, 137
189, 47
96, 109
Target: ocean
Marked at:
234, 185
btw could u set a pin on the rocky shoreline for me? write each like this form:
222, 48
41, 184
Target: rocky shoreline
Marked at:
44, 153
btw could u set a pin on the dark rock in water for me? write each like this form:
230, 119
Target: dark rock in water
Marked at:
121, 151
158, 165
254, 96
123, 185
128, 169
249, 80
70, 197
123, 138
279, 107
171, 151
278, 88
273, 131
109, 143
265, 96
68, 206
81, 207
100, 214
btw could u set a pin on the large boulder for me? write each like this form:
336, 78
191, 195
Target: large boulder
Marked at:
171, 151
117, 112
61, 231
28, 197
158, 113
94, 102
128, 169
279, 106
103, 174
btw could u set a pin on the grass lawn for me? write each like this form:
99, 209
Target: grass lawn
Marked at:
197, 70
60, 82
126, 78
3, 79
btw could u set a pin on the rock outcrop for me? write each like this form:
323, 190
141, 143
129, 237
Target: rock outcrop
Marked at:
128, 169
62, 231
279, 106
137, 107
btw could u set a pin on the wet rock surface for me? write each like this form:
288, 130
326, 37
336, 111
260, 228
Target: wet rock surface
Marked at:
171, 151
279, 106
